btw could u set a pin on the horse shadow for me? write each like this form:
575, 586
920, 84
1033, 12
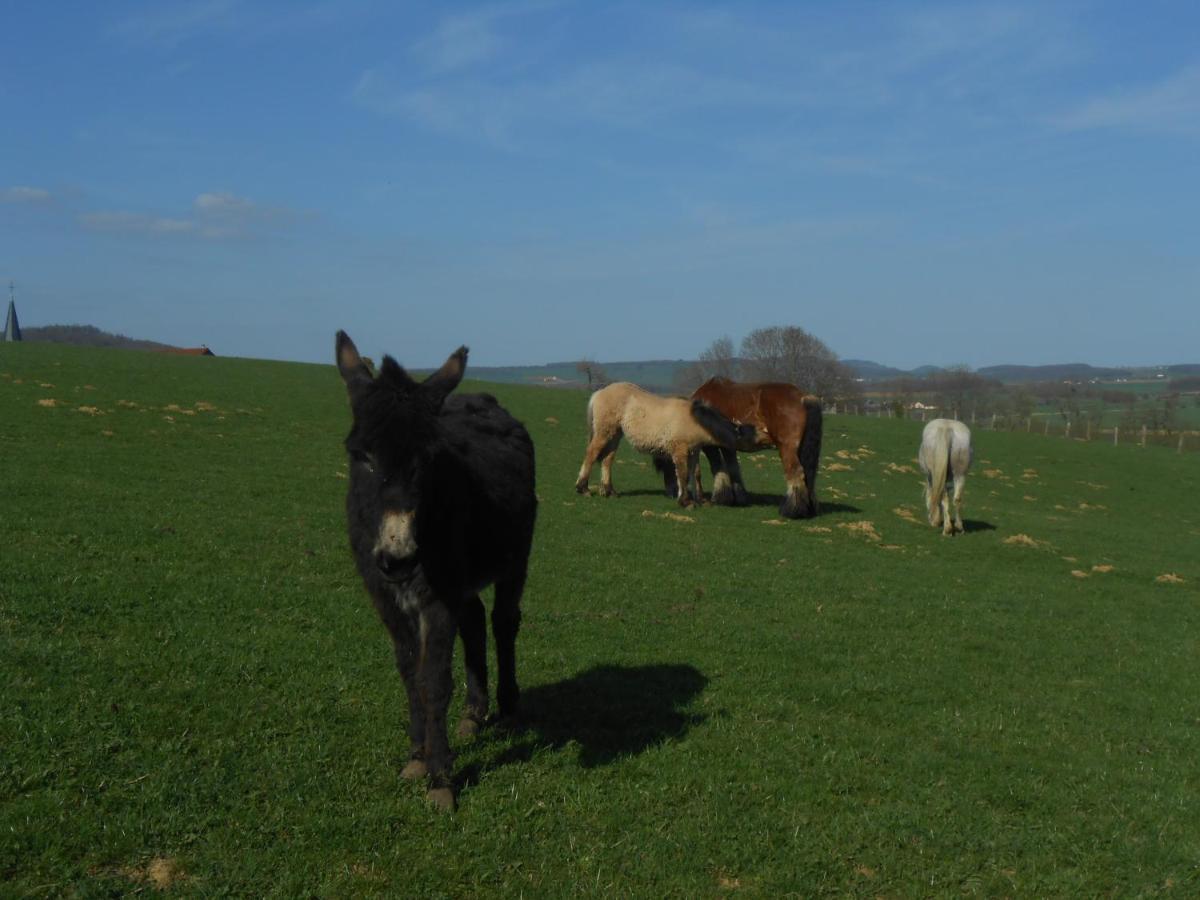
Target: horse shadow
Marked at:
970, 525
609, 712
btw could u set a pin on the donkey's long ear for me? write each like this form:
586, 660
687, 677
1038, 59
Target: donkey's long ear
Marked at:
437, 387
351, 366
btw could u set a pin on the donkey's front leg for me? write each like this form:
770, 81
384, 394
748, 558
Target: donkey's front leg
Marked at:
472, 628
437, 630
404, 642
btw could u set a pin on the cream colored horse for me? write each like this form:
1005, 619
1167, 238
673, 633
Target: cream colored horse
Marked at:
945, 453
670, 425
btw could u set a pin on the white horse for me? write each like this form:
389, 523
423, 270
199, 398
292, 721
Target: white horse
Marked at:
945, 453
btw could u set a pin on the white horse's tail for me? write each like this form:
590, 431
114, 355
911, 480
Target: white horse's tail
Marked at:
938, 462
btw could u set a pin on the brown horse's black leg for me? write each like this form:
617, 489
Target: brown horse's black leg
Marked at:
472, 629
795, 501
506, 621
723, 491
434, 682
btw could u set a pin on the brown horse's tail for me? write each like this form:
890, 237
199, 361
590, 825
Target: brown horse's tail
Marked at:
810, 449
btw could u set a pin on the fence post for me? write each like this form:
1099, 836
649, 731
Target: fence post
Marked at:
1089, 429
993, 421
1143, 435
1029, 424
1046, 430
1179, 449
1067, 433
1116, 431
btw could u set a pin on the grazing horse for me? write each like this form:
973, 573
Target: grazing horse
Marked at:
945, 454
441, 503
777, 415
672, 426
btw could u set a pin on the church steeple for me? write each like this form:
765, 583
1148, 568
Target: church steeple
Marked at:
12, 328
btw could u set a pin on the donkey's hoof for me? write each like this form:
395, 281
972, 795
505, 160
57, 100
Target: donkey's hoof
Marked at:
608, 492
442, 799
581, 487
468, 727
414, 769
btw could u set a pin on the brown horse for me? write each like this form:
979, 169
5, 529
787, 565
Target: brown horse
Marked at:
671, 426
782, 416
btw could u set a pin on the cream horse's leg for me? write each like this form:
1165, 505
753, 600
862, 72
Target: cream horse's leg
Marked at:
606, 464
680, 456
595, 449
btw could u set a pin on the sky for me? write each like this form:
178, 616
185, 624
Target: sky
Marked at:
913, 183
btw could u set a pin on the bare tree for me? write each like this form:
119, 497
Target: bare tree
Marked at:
596, 376
716, 360
791, 354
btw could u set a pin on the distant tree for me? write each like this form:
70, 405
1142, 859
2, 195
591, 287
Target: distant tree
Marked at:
594, 372
716, 359
789, 353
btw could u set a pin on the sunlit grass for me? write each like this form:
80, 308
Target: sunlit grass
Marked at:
195, 691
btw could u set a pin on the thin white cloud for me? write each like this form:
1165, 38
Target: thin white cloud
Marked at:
1172, 106
167, 25
217, 215
23, 194
467, 39
171, 24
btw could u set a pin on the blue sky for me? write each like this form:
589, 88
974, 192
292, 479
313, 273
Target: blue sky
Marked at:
912, 182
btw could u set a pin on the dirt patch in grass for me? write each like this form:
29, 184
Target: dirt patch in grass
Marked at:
892, 468
907, 514
551, 420
993, 473
774, 521
1023, 540
89, 410
863, 527
48, 402
838, 467
1079, 573
1103, 569
674, 517
160, 873
818, 529
1170, 578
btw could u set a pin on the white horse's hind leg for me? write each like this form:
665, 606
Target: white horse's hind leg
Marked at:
933, 507
947, 514
959, 484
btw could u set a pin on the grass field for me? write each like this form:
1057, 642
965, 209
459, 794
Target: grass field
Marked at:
196, 694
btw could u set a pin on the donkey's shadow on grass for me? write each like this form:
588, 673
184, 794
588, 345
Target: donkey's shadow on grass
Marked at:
608, 711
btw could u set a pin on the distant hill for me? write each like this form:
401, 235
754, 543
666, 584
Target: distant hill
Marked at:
1060, 372
656, 374
88, 336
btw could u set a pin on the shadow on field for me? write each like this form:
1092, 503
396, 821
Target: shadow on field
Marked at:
970, 525
608, 711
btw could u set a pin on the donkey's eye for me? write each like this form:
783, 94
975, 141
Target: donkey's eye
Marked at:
364, 459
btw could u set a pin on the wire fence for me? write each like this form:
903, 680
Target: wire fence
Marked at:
1048, 425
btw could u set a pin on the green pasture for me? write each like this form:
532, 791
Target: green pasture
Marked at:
195, 694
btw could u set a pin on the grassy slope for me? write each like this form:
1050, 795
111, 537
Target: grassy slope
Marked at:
719, 705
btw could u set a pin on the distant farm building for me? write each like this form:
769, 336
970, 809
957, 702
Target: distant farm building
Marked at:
202, 350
